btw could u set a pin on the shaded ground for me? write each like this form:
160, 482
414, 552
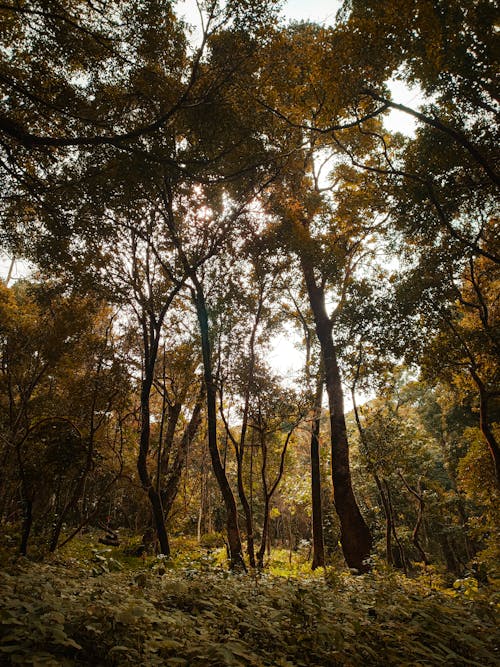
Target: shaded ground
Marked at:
67, 613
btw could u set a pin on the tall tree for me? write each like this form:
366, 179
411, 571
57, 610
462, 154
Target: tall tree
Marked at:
328, 258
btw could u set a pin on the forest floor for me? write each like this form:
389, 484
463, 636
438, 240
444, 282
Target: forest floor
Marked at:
93, 606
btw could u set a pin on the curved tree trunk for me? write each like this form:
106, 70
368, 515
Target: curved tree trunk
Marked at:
240, 448
269, 492
486, 430
233, 531
390, 528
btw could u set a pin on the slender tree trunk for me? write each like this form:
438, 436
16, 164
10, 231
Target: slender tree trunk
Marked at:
27, 523
240, 446
269, 492
389, 528
401, 553
147, 483
165, 442
484, 425
171, 486
233, 532
266, 494
247, 510
355, 535
265, 535
203, 485
317, 512
417, 493
388, 520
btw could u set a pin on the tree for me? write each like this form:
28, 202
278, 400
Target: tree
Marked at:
468, 345
244, 332
318, 268
176, 385
55, 348
316, 412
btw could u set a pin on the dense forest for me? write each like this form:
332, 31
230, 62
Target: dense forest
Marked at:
197, 207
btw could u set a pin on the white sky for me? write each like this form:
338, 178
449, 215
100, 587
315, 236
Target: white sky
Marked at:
319, 11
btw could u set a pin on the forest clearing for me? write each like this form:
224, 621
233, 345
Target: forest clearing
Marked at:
249, 333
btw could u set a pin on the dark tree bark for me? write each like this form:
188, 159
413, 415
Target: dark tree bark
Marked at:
142, 467
170, 487
485, 426
355, 535
151, 321
401, 560
233, 531
151, 328
26, 527
388, 520
317, 512
240, 444
239, 448
267, 500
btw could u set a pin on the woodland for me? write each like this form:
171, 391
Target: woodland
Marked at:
199, 207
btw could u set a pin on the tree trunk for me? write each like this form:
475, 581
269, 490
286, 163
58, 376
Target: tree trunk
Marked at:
417, 493
233, 532
27, 523
388, 520
171, 486
203, 487
241, 445
484, 425
269, 492
147, 484
400, 561
267, 498
265, 536
317, 512
248, 515
355, 535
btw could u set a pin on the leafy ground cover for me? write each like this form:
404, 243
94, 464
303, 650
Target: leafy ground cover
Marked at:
98, 611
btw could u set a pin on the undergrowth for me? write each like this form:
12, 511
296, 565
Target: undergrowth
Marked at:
195, 613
